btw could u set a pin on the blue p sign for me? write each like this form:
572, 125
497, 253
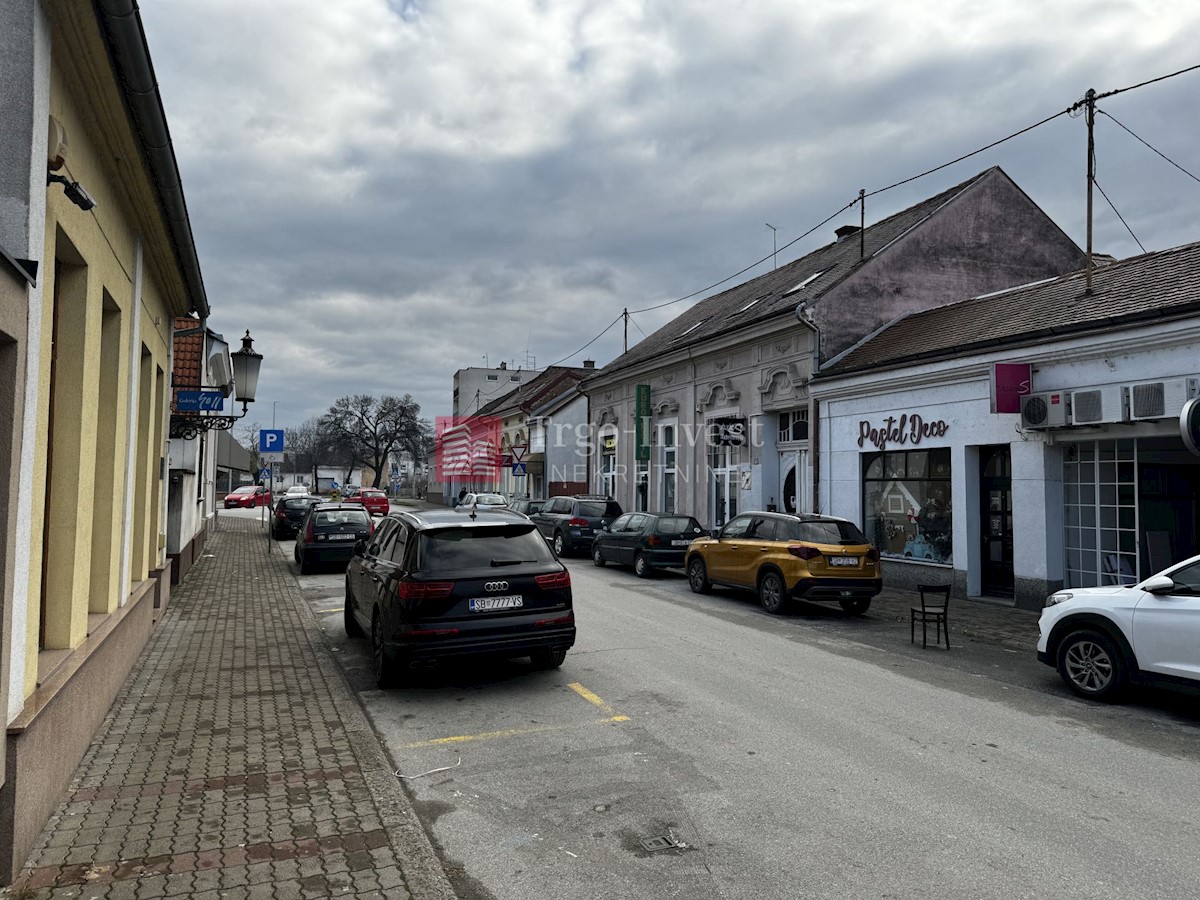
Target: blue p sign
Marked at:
270, 441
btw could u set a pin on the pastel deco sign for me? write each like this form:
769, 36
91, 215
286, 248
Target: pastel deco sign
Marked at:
907, 429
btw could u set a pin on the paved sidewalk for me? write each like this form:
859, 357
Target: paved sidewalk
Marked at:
235, 762
971, 621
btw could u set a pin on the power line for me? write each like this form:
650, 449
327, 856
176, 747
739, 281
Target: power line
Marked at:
1070, 110
972, 153
1118, 212
1155, 149
589, 343
749, 267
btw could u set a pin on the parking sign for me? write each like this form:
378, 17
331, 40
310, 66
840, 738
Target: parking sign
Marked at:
270, 445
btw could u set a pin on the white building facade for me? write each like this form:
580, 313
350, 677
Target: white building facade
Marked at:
1089, 482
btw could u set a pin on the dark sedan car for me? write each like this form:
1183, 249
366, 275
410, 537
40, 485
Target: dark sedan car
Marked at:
329, 533
646, 541
289, 515
441, 584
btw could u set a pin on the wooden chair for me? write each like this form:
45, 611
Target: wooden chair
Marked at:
935, 608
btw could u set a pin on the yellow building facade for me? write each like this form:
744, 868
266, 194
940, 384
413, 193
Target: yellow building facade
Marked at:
112, 277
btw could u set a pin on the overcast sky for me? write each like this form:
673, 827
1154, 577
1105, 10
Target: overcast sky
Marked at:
385, 191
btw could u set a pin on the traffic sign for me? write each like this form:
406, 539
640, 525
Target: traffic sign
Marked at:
518, 451
518, 469
270, 441
264, 474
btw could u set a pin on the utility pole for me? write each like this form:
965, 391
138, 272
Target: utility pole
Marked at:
774, 246
1090, 100
625, 314
862, 228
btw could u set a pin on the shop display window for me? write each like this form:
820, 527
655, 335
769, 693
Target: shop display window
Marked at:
906, 504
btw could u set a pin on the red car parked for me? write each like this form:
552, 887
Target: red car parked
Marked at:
375, 501
248, 497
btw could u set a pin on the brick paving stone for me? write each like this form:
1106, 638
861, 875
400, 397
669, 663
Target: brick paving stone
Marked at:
235, 762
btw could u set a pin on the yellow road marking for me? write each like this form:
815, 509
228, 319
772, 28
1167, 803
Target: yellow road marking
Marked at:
516, 732
592, 698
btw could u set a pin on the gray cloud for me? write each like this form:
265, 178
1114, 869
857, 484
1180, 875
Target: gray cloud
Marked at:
385, 192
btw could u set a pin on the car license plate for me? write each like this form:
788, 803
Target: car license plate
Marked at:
341, 536
843, 560
487, 604
681, 543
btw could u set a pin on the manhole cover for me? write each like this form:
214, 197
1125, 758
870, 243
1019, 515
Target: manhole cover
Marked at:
658, 843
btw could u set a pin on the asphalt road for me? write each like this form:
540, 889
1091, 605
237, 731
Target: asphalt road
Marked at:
805, 756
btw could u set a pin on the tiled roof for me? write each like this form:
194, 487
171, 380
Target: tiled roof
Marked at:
188, 355
548, 383
1155, 285
774, 294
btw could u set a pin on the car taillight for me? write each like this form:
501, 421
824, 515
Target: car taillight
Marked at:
578, 522
654, 540
280, 514
423, 590
873, 555
804, 552
556, 582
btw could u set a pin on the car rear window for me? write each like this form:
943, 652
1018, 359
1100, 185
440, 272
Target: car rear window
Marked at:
298, 504
341, 517
830, 532
490, 499
482, 548
597, 509
372, 493
678, 525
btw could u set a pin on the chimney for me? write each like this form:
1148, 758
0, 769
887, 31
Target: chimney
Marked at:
589, 364
503, 366
846, 231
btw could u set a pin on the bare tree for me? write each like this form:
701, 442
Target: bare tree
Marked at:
373, 428
313, 444
246, 434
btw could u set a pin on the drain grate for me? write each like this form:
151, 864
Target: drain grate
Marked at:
658, 843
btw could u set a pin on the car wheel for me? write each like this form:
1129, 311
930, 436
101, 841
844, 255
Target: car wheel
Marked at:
771, 593
698, 576
384, 665
305, 566
855, 607
598, 557
1092, 665
641, 568
560, 545
548, 659
353, 629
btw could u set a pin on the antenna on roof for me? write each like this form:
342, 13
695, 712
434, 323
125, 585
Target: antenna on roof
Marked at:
774, 246
862, 231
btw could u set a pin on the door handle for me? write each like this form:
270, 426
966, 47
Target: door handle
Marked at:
764, 549
375, 577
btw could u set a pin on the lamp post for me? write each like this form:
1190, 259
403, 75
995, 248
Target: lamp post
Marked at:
246, 364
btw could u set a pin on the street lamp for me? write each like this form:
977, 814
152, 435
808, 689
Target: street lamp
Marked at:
246, 364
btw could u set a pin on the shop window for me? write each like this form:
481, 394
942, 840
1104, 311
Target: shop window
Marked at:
906, 504
1100, 513
793, 425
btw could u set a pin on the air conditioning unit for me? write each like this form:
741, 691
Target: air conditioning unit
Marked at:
1047, 409
1160, 399
1094, 406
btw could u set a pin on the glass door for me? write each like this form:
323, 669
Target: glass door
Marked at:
996, 520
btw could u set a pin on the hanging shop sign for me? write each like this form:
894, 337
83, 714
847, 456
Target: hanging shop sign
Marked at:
909, 428
1010, 382
730, 432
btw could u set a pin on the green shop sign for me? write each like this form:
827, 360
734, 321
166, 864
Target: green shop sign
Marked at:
643, 423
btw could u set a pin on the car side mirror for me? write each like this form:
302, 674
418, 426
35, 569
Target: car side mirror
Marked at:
1159, 584
360, 547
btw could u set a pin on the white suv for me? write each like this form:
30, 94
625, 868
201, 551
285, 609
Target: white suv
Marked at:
1101, 638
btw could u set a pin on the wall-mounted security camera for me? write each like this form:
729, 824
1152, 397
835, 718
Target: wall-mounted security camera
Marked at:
74, 191
56, 145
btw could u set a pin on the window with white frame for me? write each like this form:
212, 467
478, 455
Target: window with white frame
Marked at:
793, 425
608, 463
668, 453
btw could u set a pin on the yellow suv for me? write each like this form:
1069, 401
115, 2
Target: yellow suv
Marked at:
782, 557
